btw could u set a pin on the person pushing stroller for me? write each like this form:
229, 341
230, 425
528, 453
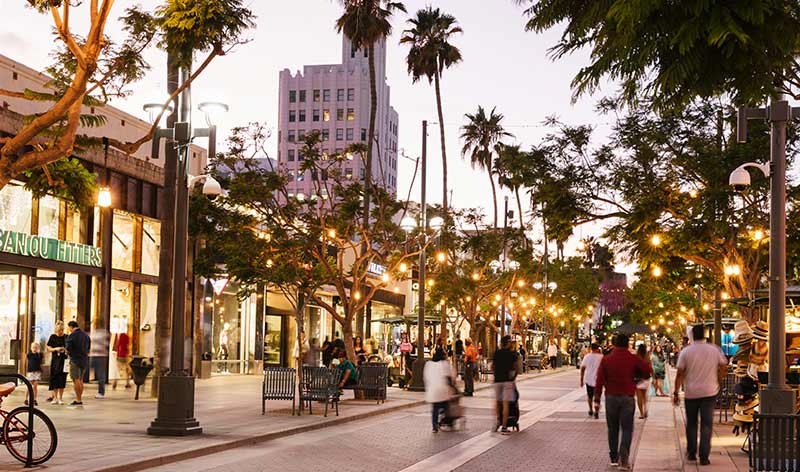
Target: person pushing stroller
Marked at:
440, 390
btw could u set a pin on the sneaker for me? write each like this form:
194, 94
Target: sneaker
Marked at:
99, 396
53, 401
623, 466
61, 402
435, 430
614, 463
504, 430
691, 457
49, 399
705, 462
76, 404
596, 415
591, 413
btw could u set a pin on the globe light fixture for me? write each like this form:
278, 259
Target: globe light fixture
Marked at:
212, 110
436, 223
655, 240
441, 257
537, 285
552, 286
154, 109
408, 224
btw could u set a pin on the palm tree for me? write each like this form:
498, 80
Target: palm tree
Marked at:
430, 54
365, 23
480, 135
511, 167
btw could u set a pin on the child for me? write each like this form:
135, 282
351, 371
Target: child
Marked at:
34, 370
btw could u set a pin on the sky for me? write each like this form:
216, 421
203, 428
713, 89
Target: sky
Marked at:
504, 66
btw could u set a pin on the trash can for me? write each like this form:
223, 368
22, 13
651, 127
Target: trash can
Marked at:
141, 367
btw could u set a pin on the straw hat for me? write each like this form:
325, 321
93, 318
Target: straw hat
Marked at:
747, 406
759, 353
761, 330
742, 418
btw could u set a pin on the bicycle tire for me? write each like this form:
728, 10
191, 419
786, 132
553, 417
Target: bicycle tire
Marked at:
18, 447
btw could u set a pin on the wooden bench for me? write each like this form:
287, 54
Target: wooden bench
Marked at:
319, 384
372, 380
775, 443
279, 384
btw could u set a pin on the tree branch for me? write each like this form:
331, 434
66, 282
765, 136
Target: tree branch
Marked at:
14, 94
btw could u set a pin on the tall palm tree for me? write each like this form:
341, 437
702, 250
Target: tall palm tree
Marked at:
365, 23
511, 167
430, 54
480, 135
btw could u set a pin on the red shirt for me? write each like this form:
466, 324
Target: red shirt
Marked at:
617, 372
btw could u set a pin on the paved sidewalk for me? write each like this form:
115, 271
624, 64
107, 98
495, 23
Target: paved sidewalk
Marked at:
109, 434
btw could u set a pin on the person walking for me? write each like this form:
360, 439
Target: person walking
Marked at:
56, 346
552, 353
617, 374
659, 370
701, 367
122, 351
506, 365
78, 345
589, 365
439, 385
470, 362
99, 355
642, 385
523, 356
34, 370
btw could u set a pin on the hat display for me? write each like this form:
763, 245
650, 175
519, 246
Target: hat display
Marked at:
742, 418
746, 387
741, 327
761, 330
748, 405
741, 339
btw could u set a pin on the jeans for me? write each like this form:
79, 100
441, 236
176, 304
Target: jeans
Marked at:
436, 409
100, 366
619, 415
705, 407
469, 378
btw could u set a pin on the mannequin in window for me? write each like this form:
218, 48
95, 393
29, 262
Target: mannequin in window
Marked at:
223, 346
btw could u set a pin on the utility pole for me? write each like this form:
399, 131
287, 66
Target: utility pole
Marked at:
776, 398
717, 317
417, 381
504, 268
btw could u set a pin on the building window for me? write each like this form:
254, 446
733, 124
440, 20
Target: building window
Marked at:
340, 95
302, 96
292, 96
292, 116
339, 134
300, 157
326, 115
291, 135
122, 246
49, 210
302, 115
315, 115
301, 135
351, 94
151, 245
290, 155
15, 209
326, 134
348, 173
361, 173
349, 134
14, 76
351, 114
340, 114
363, 134
316, 95
326, 95
301, 176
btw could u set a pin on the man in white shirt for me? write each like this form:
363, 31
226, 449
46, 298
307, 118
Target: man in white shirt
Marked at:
589, 365
552, 352
701, 367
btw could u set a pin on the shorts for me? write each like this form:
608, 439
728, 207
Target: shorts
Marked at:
590, 391
76, 372
643, 385
34, 376
504, 391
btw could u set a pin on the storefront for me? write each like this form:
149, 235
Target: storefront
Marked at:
52, 268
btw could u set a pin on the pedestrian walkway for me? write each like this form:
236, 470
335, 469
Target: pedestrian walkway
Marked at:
109, 434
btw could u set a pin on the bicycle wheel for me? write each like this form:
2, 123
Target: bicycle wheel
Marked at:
15, 433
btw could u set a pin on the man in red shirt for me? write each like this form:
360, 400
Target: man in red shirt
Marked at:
618, 373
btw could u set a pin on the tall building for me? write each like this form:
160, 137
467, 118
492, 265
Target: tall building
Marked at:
334, 99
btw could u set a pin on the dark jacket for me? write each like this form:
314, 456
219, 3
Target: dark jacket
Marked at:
78, 344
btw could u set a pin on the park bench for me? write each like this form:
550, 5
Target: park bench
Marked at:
319, 384
775, 443
279, 384
534, 361
372, 381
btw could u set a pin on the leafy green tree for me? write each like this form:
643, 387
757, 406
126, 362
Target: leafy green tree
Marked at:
670, 52
92, 68
480, 135
430, 54
365, 23
302, 244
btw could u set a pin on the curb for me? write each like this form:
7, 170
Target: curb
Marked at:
236, 443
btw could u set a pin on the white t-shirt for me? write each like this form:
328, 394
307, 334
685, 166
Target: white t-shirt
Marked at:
591, 362
701, 362
552, 350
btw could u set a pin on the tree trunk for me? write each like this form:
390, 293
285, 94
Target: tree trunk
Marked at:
442, 139
373, 110
494, 197
519, 207
299, 328
347, 337
165, 257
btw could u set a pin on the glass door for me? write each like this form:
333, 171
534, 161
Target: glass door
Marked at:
272, 340
13, 293
45, 304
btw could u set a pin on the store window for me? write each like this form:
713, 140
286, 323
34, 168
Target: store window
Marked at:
313, 324
46, 299
121, 320
272, 340
151, 246
122, 244
147, 321
70, 297
226, 331
15, 209
74, 228
383, 335
10, 295
48, 216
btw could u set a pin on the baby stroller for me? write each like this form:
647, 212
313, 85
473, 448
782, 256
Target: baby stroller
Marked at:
513, 413
453, 418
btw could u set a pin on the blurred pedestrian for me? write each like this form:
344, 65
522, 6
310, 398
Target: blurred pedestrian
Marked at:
78, 345
552, 353
701, 367
470, 364
617, 375
122, 351
99, 357
589, 366
506, 365
439, 385
642, 384
659, 370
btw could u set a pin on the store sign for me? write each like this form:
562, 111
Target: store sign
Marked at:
42, 247
376, 269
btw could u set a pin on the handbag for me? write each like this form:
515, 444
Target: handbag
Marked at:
66, 366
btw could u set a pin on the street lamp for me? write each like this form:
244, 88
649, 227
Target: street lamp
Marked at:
176, 387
